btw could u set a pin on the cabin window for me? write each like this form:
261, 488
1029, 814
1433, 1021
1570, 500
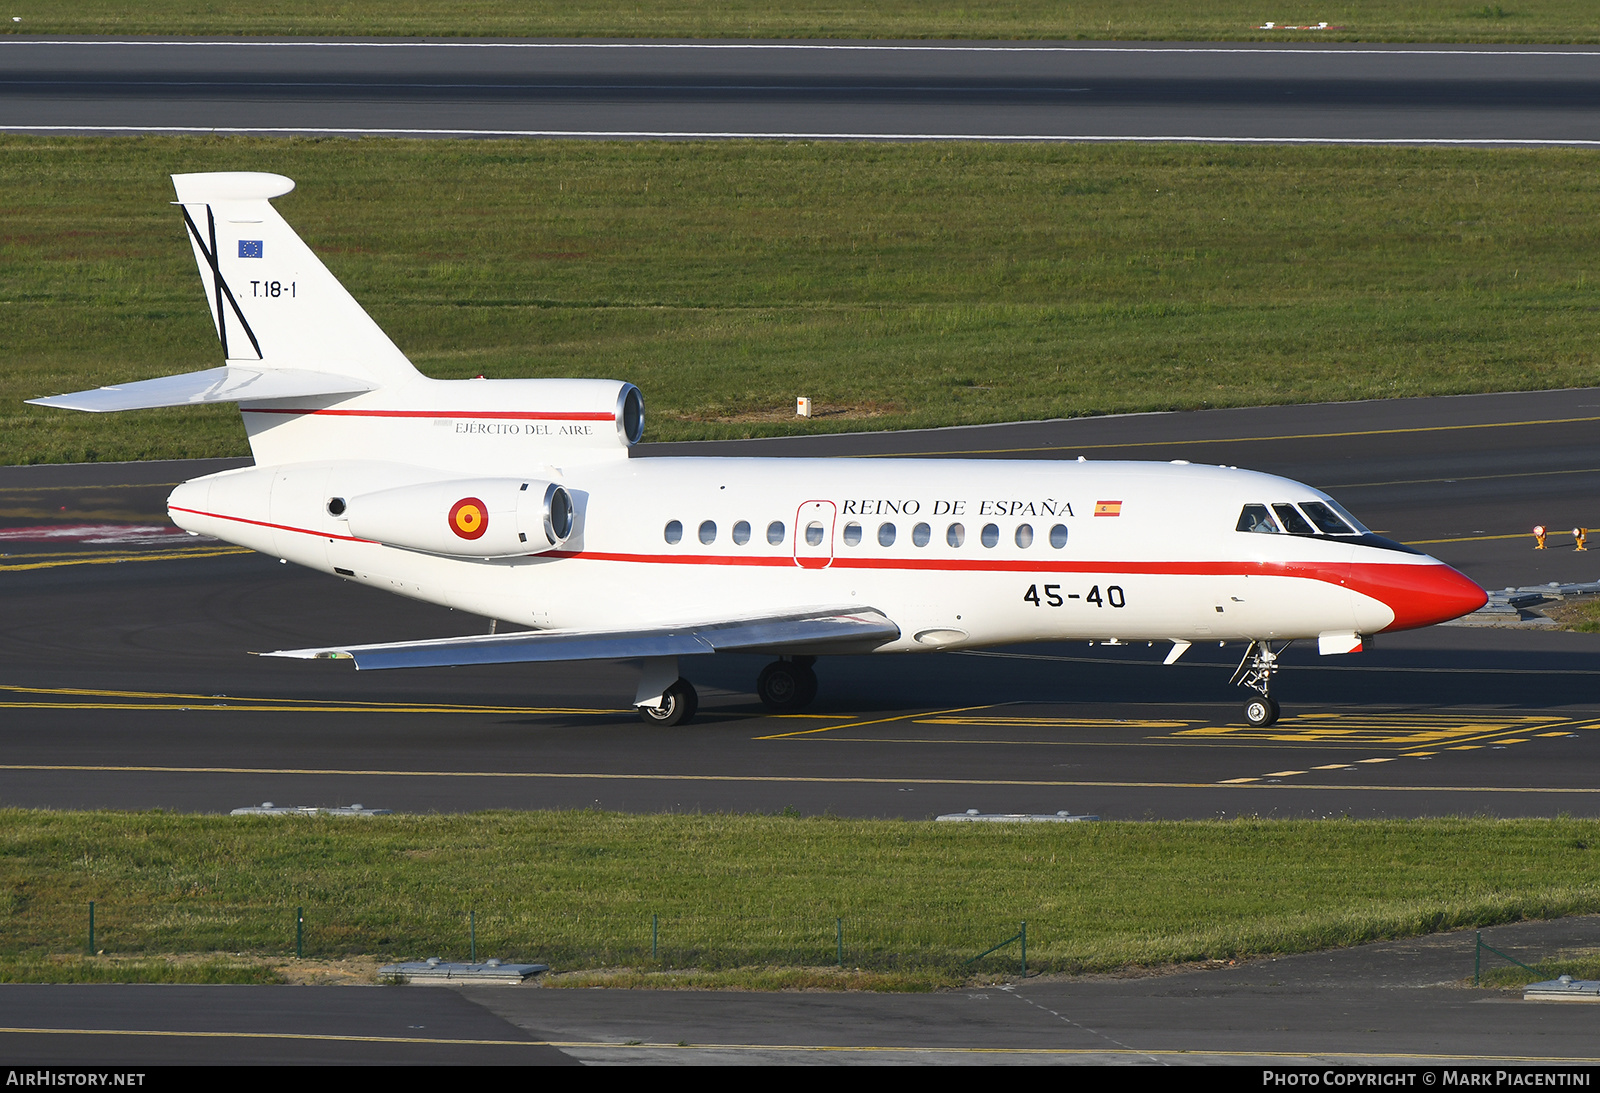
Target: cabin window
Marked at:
1256, 518
708, 532
1024, 535
852, 534
1293, 520
1058, 536
922, 535
955, 535
814, 534
775, 532
674, 532
990, 535
1325, 519
741, 532
886, 535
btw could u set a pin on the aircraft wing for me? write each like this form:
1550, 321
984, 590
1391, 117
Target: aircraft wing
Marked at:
807, 631
231, 383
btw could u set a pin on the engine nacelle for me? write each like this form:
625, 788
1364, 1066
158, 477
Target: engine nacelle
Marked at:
475, 517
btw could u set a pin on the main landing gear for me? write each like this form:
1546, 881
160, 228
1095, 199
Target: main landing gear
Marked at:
786, 684
678, 704
1255, 672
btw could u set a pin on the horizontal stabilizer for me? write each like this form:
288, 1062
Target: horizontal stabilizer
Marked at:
771, 633
228, 384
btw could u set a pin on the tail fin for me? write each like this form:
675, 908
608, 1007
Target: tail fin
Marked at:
288, 328
274, 303
316, 379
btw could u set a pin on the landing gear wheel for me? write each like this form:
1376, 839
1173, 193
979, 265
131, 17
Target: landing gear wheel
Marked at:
678, 705
1260, 711
786, 685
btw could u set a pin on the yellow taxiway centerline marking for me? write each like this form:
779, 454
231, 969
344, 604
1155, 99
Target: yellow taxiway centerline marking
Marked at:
1244, 439
759, 778
197, 707
1467, 539
878, 721
1216, 744
6, 567
1059, 722
646, 1046
35, 555
1461, 478
183, 701
325, 1036
62, 489
1298, 667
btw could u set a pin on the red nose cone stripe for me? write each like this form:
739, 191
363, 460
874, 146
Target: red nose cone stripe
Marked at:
1419, 595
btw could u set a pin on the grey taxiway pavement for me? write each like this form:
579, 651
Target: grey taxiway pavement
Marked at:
1393, 1004
125, 683
806, 89
126, 680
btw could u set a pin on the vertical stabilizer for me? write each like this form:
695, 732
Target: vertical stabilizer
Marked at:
275, 305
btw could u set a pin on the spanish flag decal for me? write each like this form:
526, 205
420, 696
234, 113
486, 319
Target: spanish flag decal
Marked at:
1108, 508
469, 518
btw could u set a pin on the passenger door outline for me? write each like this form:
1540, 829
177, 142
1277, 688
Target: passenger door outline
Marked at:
819, 555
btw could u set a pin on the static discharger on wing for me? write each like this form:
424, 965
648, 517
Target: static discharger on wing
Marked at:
518, 500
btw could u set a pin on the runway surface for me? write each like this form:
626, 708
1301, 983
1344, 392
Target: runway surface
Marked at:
126, 683
1394, 1004
805, 89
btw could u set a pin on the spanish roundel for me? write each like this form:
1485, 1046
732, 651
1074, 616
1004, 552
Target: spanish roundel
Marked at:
469, 518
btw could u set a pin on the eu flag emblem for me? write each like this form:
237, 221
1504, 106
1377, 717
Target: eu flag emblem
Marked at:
249, 248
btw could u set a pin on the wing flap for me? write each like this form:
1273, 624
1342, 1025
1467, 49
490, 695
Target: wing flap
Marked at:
802, 630
230, 383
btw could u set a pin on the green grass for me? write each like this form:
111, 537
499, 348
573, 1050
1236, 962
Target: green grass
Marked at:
1358, 20
762, 893
898, 285
1579, 965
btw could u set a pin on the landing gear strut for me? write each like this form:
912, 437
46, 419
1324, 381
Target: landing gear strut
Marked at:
678, 704
1255, 672
788, 684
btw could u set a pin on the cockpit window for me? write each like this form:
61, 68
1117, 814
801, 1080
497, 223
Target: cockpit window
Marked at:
1327, 522
1257, 518
1344, 514
1293, 520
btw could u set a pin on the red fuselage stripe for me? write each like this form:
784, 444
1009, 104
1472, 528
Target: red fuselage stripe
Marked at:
265, 524
499, 415
1418, 593
1329, 572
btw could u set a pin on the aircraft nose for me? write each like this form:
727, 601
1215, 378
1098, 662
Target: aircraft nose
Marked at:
1422, 595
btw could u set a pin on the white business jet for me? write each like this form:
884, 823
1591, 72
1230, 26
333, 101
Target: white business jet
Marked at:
517, 500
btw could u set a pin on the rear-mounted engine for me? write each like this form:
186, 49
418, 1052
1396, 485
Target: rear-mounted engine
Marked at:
478, 518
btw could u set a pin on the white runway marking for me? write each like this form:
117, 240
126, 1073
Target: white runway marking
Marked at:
846, 47
642, 134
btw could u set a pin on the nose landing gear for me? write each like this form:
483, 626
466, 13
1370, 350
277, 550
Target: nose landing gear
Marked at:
1255, 672
787, 684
